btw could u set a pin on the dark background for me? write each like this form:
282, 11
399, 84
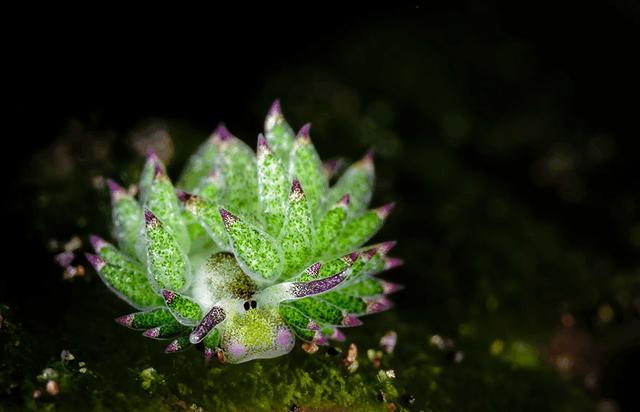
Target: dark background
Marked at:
579, 58
547, 94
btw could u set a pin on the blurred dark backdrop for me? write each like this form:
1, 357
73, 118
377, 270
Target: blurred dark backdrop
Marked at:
507, 133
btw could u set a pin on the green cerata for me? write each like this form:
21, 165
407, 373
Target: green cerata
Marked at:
248, 250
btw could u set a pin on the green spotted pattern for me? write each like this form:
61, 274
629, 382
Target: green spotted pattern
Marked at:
357, 231
334, 266
151, 318
211, 187
164, 204
297, 321
272, 188
148, 174
279, 134
178, 344
357, 182
184, 309
256, 251
330, 226
170, 329
306, 335
212, 340
198, 166
197, 233
350, 304
166, 260
128, 224
306, 166
316, 308
364, 287
207, 214
132, 284
113, 256
237, 164
296, 238
374, 265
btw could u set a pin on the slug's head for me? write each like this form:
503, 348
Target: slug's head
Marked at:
255, 333
252, 327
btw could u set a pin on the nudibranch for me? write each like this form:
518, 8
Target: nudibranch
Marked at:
248, 250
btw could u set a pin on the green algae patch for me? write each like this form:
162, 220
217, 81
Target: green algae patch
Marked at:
115, 371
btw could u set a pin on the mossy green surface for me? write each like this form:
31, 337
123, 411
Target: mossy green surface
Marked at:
135, 375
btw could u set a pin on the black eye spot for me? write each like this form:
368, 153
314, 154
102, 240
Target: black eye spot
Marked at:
254, 304
246, 306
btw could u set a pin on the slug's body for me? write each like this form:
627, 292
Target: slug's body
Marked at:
251, 250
